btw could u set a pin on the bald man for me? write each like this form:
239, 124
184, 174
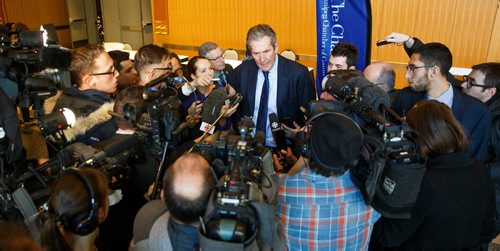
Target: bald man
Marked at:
187, 185
382, 75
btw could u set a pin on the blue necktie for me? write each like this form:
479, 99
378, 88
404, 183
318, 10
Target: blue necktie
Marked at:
264, 97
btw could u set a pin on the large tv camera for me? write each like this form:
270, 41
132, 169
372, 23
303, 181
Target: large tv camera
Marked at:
25, 191
246, 166
33, 67
157, 116
392, 167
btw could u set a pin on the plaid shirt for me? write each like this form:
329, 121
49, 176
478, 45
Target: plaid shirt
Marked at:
320, 213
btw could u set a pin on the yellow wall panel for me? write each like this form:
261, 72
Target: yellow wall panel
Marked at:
469, 42
302, 27
391, 16
494, 46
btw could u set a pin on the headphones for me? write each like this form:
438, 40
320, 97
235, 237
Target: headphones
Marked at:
85, 222
305, 146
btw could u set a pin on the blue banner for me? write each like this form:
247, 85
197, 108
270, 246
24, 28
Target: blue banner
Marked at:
342, 20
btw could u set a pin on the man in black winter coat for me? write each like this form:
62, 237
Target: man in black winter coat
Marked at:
93, 77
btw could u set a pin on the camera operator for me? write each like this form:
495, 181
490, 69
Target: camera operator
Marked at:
152, 61
77, 206
187, 186
455, 207
94, 77
317, 197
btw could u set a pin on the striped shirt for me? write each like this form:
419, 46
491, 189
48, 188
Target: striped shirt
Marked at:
320, 213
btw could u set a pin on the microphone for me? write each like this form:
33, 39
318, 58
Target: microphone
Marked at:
278, 133
374, 96
383, 42
366, 113
338, 87
378, 99
213, 105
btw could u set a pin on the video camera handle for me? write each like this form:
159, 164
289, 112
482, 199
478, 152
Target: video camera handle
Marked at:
159, 173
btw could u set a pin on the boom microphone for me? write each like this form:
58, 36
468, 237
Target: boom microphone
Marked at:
372, 95
278, 133
213, 105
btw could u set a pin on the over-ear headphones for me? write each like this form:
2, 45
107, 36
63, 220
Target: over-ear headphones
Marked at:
313, 144
83, 223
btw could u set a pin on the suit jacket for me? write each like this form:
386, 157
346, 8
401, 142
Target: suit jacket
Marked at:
295, 88
472, 114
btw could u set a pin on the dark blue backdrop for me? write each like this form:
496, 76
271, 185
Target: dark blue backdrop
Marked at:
342, 20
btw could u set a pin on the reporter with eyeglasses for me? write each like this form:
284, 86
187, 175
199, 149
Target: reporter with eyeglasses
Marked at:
426, 75
151, 62
93, 78
483, 83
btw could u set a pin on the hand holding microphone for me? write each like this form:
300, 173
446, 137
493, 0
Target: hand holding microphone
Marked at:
397, 38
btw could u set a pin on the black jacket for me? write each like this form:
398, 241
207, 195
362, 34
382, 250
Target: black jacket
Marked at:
454, 209
472, 114
93, 123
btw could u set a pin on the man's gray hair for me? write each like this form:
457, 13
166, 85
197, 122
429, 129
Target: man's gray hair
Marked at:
259, 31
206, 48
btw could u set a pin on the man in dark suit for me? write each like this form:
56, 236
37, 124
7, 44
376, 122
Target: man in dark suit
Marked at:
214, 54
426, 75
284, 85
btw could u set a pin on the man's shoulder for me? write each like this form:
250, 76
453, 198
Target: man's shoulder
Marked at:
146, 217
470, 104
291, 65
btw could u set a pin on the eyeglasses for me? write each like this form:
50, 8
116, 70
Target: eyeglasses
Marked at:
162, 69
112, 72
470, 82
413, 67
217, 58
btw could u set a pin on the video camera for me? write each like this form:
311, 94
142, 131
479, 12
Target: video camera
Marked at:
34, 67
25, 192
156, 116
246, 166
392, 167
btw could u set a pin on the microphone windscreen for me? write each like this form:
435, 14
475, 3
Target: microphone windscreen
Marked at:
213, 105
361, 83
377, 98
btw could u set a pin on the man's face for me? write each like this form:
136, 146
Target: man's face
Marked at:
104, 76
157, 70
216, 59
264, 53
337, 63
417, 78
475, 78
128, 74
176, 65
